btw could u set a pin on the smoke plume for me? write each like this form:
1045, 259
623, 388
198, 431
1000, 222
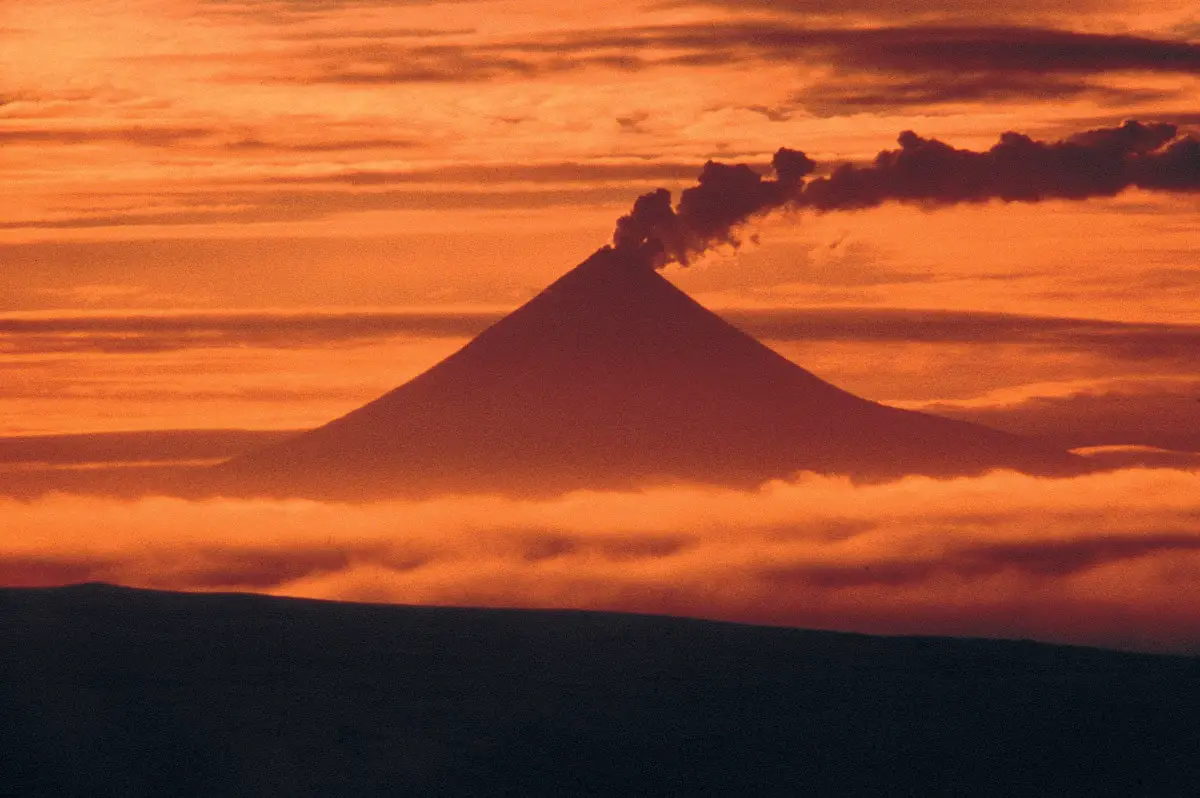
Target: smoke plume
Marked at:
1095, 163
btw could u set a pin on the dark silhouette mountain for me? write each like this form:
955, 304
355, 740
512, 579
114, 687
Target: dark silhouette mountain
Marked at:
611, 378
114, 692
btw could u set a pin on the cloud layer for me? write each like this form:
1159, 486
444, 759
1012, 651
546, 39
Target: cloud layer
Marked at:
1111, 559
132, 332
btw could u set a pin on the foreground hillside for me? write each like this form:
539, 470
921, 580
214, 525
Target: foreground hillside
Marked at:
110, 691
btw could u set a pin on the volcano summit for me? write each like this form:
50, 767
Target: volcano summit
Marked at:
612, 378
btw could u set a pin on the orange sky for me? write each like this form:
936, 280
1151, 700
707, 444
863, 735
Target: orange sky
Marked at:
261, 213
258, 154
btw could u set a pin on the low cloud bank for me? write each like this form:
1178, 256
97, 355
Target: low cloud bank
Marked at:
1110, 559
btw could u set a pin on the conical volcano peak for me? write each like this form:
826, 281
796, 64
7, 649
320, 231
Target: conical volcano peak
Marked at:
612, 377
610, 275
605, 310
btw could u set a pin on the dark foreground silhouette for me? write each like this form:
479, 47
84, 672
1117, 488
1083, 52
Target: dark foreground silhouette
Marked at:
111, 691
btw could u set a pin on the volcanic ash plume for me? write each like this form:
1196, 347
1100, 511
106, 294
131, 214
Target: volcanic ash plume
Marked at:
1096, 163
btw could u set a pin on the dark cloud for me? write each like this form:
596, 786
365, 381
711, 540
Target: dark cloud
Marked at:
326, 34
258, 569
1045, 559
258, 145
565, 172
1154, 413
1182, 119
301, 11
142, 334
773, 114
862, 94
1096, 163
194, 137
536, 546
953, 50
141, 136
1040, 559
962, 52
137, 333
1176, 343
35, 570
966, 10
90, 392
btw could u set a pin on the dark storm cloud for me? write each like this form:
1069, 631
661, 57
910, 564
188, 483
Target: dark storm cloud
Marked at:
1095, 163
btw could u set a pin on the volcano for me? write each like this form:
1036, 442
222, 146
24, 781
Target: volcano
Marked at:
612, 378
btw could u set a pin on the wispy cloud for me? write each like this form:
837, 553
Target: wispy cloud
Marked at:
1161, 412
944, 10
249, 206
161, 331
492, 174
975, 57
141, 136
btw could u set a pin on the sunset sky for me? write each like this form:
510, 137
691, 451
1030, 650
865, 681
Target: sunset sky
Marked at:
260, 214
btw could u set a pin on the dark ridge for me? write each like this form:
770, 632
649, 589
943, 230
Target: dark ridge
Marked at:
110, 691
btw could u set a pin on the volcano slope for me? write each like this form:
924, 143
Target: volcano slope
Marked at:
612, 378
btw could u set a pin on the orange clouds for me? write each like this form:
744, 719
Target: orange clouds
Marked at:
183, 114
1076, 381
1111, 559
216, 154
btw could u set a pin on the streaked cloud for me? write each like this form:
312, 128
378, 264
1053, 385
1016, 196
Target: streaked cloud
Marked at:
164, 332
48, 332
1158, 412
981, 54
156, 446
